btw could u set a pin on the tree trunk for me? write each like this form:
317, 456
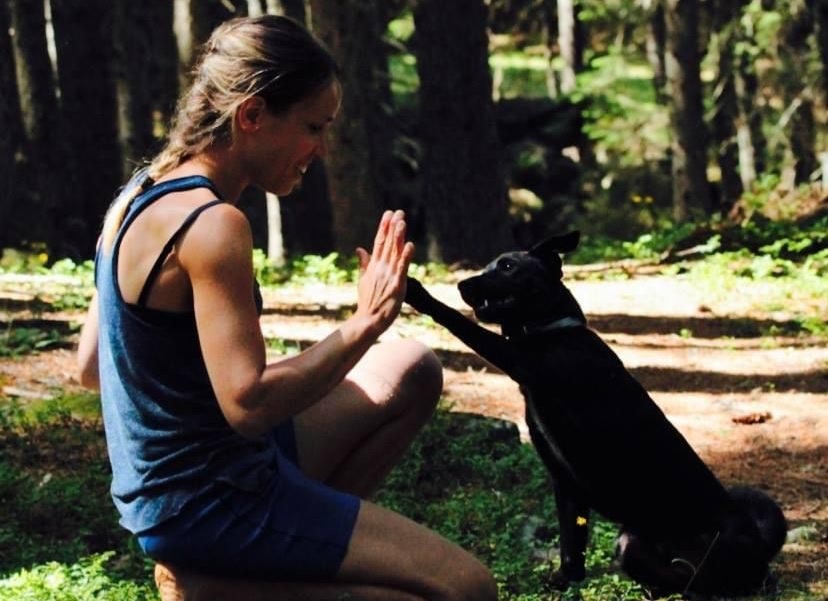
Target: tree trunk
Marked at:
793, 55
359, 146
45, 165
819, 11
164, 62
133, 76
146, 76
689, 156
463, 177
206, 15
295, 9
726, 104
307, 222
11, 142
83, 36
750, 134
655, 47
566, 44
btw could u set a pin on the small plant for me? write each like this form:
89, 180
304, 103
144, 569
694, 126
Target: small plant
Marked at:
15, 342
89, 579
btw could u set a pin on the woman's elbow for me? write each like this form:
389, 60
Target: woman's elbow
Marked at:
248, 424
87, 374
245, 413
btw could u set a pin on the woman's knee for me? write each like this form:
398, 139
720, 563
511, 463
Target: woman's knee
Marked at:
424, 377
474, 583
413, 370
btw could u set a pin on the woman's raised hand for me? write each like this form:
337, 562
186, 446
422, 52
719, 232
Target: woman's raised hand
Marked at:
382, 279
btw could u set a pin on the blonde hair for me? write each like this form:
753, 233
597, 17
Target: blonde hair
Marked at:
269, 56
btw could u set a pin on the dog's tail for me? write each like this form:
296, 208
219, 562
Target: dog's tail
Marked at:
766, 514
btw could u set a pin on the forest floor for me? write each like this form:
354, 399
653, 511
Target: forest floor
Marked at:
753, 403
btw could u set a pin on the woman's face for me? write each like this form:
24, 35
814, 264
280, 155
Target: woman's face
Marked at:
285, 145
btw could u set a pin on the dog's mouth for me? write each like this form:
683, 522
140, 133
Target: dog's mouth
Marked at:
491, 308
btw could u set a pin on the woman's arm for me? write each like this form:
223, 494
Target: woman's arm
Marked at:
87, 355
254, 397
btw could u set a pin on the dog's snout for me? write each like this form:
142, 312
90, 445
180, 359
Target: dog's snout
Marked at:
469, 286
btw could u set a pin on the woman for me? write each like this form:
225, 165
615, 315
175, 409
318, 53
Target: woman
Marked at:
239, 477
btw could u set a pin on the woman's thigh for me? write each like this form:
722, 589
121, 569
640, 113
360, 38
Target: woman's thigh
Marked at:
395, 386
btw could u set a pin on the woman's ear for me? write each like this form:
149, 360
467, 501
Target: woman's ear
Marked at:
250, 113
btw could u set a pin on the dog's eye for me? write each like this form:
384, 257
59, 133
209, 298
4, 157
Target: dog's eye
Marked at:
506, 264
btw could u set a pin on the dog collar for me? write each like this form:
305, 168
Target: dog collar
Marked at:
558, 324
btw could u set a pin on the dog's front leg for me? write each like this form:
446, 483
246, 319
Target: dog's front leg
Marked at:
496, 349
573, 521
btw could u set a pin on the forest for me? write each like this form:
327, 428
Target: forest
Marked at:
685, 139
516, 118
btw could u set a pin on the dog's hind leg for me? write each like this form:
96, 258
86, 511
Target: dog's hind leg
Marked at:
651, 565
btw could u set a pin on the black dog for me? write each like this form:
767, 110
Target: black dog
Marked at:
606, 444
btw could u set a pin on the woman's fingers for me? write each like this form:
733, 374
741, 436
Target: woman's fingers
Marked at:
390, 238
382, 234
395, 233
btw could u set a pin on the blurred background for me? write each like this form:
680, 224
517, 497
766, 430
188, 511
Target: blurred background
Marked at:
491, 122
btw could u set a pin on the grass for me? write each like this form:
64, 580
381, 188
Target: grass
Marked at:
466, 476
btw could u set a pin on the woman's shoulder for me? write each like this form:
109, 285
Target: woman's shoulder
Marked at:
220, 233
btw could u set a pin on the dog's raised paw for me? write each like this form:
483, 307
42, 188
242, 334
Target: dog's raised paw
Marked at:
415, 294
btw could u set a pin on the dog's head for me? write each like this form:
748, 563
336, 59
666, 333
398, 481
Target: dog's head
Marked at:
521, 286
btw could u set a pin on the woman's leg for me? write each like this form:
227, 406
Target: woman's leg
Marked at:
353, 437
389, 558
350, 440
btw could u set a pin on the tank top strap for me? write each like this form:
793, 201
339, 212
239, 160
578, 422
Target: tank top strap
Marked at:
156, 267
150, 192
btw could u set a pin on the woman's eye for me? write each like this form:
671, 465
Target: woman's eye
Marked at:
315, 129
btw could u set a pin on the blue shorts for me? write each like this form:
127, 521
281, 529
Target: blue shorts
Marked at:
294, 529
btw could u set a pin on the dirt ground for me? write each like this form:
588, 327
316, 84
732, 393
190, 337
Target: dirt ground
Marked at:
754, 407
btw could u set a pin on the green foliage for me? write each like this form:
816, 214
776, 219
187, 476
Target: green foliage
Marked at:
37, 262
15, 342
467, 477
281, 346
90, 579
478, 486
332, 269
70, 286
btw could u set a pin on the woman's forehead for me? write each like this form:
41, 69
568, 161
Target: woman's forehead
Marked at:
322, 105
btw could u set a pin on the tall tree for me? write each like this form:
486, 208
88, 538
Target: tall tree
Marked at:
465, 194
655, 45
750, 134
45, 163
11, 118
206, 15
146, 76
133, 73
797, 92
352, 30
567, 44
305, 217
819, 12
83, 36
725, 101
689, 145
295, 9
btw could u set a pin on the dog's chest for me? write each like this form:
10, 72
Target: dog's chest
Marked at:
541, 433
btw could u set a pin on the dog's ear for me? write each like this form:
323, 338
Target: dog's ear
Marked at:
548, 250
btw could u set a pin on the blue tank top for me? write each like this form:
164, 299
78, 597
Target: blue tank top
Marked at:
167, 438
